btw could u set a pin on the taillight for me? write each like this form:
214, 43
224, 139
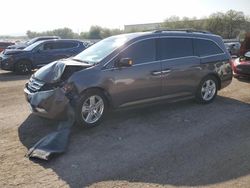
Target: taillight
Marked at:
233, 66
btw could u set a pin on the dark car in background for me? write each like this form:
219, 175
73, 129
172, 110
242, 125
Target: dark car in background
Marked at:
39, 54
32, 41
131, 69
233, 48
4, 45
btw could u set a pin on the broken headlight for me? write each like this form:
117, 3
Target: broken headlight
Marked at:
68, 87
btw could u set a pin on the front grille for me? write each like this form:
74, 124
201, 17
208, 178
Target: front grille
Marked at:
34, 85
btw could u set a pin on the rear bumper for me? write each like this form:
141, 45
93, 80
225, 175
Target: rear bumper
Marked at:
225, 83
226, 79
50, 104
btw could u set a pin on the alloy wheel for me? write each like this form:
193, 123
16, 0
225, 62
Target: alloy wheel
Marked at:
208, 90
92, 109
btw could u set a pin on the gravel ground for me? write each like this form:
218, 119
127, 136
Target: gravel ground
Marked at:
166, 145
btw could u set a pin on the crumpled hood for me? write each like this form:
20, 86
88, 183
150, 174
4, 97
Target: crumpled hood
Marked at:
13, 52
53, 72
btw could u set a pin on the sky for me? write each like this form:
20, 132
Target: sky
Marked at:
18, 16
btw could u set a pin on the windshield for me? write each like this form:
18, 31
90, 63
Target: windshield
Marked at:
31, 41
100, 50
32, 46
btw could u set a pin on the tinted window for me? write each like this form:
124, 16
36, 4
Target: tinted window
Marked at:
48, 46
59, 45
65, 45
70, 44
206, 48
174, 48
140, 52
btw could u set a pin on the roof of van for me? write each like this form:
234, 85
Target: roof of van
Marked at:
174, 33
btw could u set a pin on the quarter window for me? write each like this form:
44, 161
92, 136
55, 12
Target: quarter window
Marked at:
205, 48
59, 45
141, 52
169, 48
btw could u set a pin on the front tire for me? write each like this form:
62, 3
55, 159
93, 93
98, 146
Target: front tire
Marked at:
91, 108
207, 90
23, 67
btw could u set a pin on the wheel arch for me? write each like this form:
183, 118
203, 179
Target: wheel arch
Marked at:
25, 59
100, 89
217, 78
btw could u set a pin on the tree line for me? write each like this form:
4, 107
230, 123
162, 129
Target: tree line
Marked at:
95, 32
232, 24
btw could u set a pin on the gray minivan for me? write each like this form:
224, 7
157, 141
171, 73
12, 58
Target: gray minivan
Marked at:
131, 69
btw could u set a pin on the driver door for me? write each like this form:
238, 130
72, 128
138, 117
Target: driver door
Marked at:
140, 81
44, 54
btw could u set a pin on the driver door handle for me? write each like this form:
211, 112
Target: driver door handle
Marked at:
156, 73
166, 71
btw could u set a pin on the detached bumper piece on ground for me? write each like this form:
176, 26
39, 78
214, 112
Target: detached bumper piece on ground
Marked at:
55, 142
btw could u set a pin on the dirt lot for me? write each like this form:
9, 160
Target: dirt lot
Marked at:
168, 145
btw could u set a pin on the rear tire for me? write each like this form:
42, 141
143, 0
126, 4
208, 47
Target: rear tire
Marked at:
23, 67
207, 90
91, 108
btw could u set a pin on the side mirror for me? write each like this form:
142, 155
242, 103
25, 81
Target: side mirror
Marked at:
124, 62
247, 54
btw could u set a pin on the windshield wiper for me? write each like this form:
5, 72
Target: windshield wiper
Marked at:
79, 60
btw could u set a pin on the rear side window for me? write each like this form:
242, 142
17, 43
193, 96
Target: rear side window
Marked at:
69, 44
62, 45
169, 48
141, 52
206, 48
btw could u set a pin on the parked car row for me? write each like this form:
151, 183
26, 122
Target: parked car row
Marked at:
39, 54
32, 41
4, 45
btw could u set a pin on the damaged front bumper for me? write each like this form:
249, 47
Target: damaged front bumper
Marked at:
50, 104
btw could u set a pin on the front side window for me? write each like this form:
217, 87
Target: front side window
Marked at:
205, 48
140, 52
169, 48
49, 46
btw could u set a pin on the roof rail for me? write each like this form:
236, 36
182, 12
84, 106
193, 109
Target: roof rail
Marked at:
183, 30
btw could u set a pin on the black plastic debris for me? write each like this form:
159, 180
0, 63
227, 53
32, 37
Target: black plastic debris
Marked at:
55, 142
